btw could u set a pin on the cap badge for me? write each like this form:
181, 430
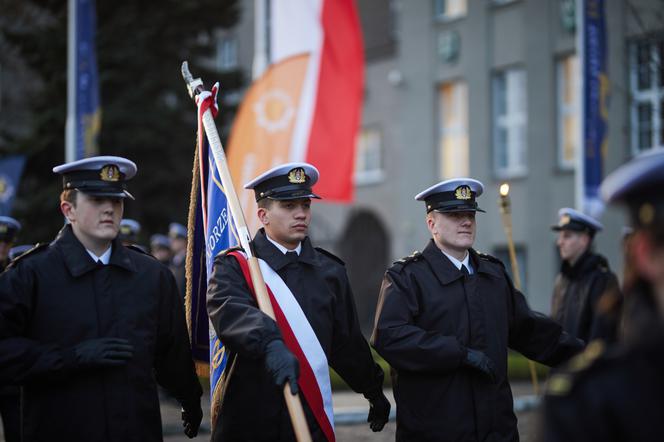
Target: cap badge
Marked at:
110, 173
125, 230
296, 176
564, 220
3, 228
462, 193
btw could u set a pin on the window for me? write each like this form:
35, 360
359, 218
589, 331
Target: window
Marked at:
369, 157
449, 9
509, 123
227, 54
453, 144
567, 74
502, 253
647, 88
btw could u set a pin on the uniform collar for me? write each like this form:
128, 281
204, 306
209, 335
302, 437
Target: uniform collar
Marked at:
268, 251
447, 272
283, 249
104, 258
77, 259
458, 264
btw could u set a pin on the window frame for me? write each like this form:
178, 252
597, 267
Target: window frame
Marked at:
374, 175
513, 121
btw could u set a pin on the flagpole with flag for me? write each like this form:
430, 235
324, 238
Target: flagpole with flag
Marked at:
83, 111
593, 104
216, 223
305, 105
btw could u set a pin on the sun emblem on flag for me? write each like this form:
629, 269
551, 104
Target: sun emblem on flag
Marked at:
297, 176
462, 193
110, 173
274, 110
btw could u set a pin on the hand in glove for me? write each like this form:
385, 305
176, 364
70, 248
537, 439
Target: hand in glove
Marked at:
479, 361
103, 352
191, 420
282, 365
379, 410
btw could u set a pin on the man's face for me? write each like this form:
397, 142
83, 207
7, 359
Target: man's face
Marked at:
287, 222
4, 250
454, 232
572, 245
94, 218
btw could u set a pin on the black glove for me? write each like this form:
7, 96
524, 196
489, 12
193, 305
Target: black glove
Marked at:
479, 361
281, 364
379, 410
191, 420
103, 352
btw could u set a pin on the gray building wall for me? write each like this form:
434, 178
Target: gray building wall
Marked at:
401, 99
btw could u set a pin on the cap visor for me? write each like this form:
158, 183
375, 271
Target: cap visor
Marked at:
122, 194
293, 197
459, 209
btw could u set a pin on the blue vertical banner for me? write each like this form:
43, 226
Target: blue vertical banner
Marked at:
11, 169
88, 111
595, 96
211, 231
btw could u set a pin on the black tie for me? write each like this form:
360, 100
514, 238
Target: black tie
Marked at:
292, 256
464, 270
100, 263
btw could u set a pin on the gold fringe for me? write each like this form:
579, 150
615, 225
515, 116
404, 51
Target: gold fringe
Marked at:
191, 221
202, 369
219, 392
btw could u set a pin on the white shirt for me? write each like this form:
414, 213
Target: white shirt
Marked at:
458, 264
284, 249
105, 257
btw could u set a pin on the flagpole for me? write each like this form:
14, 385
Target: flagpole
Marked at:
70, 125
506, 212
579, 176
195, 87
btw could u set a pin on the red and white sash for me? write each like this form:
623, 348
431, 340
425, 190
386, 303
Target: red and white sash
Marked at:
301, 340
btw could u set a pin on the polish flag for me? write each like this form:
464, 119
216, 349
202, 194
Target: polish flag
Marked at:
306, 104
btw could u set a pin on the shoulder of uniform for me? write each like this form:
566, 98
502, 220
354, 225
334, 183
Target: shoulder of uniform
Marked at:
400, 264
330, 255
486, 257
586, 362
230, 250
138, 249
40, 247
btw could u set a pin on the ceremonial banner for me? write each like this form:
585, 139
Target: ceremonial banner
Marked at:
211, 231
595, 93
306, 105
11, 169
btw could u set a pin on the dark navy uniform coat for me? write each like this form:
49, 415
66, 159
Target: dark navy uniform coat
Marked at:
429, 313
576, 297
610, 396
56, 297
253, 407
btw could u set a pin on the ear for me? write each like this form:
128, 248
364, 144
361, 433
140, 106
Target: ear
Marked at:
431, 223
643, 254
68, 210
263, 216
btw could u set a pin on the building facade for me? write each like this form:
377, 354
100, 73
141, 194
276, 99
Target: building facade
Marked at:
486, 89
